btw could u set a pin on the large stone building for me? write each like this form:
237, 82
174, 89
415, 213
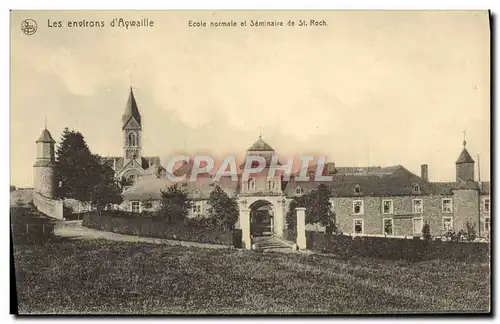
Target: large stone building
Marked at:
386, 201
382, 201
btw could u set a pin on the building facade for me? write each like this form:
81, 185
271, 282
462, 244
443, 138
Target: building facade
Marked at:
382, 201
372, 201
132, 164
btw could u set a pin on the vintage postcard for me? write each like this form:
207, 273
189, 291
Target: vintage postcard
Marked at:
250, 162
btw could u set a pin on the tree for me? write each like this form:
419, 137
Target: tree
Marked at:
73, 161
469, 234
83, 176
106, 190
174, 205
223, 210
291, 217
426, 232
320, 207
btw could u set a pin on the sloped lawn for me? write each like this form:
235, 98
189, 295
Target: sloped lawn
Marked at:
129, 278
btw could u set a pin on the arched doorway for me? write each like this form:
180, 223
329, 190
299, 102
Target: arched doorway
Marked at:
261, 218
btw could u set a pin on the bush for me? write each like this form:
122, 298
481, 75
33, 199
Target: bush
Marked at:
237, 237
395, 248
150, 225
28, 226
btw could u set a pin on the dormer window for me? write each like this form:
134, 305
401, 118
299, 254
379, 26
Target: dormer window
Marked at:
417, 188
357, 189
298, 191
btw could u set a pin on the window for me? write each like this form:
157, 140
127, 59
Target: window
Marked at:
416, 206
417, 188
197, 207
298, 191
486, 224
486, 205
447, 224
357, 207
417, 225
387, 207
357, 189
251, 184
132, 139
447, 205
388, 224
358, 226
135, 206
270, 185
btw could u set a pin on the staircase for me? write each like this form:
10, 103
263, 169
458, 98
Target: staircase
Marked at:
269, 243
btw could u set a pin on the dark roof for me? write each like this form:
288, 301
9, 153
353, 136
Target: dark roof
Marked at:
390, 181
260, 146
146, 162
464, 157
131, 110
45, 137
441, 188
114, 162
149, 187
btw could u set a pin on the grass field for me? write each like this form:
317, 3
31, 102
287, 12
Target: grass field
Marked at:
129, 278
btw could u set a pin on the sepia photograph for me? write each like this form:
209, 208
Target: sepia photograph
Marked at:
250, 162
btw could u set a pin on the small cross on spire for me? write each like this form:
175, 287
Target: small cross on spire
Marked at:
260, 135
45, 121
129, 73
464, 142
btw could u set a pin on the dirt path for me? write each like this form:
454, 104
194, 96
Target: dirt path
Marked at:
74, 229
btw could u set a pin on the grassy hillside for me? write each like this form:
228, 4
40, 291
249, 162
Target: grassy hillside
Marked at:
130, 278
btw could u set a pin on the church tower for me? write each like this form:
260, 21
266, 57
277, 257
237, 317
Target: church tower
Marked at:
465, 166
44, 173
132, 128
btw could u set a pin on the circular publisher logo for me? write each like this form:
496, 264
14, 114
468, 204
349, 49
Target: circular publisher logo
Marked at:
29, 26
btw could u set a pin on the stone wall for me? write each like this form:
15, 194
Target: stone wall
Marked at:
44, 182
402, 214
50, 207
466, 208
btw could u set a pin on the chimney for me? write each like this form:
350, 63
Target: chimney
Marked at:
424, 174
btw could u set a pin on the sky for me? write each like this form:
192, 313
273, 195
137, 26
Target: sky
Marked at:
370, 88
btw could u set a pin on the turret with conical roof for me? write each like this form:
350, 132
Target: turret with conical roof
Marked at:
260, 146
44, 167
464, 166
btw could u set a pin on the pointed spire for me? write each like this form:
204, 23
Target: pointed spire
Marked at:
131, 110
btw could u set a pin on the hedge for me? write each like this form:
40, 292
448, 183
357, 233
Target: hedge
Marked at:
147, 225
30, 227
396, 248
290, 235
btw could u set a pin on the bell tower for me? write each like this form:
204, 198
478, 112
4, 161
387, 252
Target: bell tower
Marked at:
132, 129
